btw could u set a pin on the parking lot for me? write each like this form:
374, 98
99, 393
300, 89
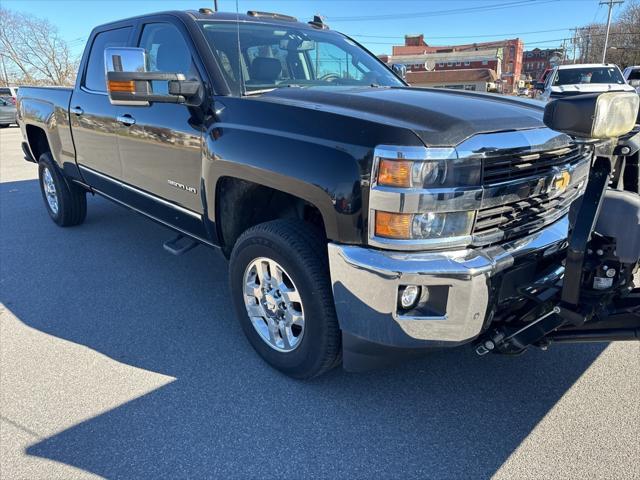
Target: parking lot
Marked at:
120, 360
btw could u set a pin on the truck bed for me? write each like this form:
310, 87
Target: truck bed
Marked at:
45, 111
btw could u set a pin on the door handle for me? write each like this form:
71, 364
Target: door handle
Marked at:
127, 119
76, 110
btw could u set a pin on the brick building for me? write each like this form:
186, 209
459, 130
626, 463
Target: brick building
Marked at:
504, 57
536, 61
475, 79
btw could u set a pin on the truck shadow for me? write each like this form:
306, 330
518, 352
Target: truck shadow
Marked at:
447, 415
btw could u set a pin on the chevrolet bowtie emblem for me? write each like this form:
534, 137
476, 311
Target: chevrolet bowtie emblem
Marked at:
560, 182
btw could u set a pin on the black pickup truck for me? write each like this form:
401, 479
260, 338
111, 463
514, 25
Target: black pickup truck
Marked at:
359, 215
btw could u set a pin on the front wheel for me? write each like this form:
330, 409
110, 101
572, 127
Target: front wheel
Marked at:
279, 281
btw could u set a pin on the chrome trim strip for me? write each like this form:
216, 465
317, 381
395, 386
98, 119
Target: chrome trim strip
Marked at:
167, 224
483, 145
142, 192
391, 199
402, 152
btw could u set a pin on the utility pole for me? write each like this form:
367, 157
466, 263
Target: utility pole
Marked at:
610, 3
215, 5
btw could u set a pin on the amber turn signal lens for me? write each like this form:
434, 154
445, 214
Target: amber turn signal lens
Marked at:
394, 173
122, 86
393, 225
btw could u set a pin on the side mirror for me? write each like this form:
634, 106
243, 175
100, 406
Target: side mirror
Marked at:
538, 86
596, 115
129, 81
400, 70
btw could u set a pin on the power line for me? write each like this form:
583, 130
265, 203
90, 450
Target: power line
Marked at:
465, 36
529, 43
438, 13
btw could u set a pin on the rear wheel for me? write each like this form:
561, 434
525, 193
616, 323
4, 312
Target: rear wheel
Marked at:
66, 202
279, 278
4, 125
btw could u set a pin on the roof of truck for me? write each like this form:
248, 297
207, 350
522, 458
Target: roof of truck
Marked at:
585, 65
250, 16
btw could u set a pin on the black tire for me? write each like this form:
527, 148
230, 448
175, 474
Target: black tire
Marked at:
71, 198
4, 125
300, 250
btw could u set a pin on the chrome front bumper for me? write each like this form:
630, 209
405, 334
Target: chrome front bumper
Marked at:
366, 281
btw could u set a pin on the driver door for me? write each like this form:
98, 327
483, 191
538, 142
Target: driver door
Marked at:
161, 144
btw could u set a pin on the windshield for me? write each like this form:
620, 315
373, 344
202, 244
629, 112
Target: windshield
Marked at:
574, 76
275, 56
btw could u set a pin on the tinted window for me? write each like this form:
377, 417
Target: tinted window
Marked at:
166, 48
167, 51
95, 78
634, 74
281, 56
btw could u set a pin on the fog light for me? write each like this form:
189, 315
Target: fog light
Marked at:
409, 296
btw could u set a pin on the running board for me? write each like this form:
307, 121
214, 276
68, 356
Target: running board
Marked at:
180, 245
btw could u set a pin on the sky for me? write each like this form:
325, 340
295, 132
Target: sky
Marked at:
377, 24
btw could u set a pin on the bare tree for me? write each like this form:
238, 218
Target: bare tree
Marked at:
624, 38
32, 52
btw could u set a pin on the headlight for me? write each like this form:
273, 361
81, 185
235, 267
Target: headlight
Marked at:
423, 197
417, 167
423, 226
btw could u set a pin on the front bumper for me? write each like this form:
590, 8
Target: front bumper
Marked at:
366, 282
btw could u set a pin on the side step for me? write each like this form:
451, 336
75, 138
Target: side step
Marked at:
179, 245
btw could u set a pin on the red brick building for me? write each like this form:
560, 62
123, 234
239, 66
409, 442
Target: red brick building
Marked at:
475, 79
536, 61
504, 57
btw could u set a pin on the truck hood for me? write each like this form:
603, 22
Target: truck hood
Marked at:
590, 88
438, 117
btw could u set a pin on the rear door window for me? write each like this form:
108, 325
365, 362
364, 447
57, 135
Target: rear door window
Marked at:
95, 78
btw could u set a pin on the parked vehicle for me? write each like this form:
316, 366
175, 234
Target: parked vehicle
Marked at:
567, 80
7, 113
9, 92
361, 217
632, 76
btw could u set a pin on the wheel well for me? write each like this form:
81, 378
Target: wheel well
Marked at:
37, 141
242, 204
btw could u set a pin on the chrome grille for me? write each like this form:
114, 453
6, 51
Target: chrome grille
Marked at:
515, 166
515, 219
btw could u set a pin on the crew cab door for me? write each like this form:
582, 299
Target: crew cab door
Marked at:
94, 122
160, 144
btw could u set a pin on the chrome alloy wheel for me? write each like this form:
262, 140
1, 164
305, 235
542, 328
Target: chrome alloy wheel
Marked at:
50, 190
273, 304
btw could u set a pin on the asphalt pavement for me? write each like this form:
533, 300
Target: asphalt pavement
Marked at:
118, 360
